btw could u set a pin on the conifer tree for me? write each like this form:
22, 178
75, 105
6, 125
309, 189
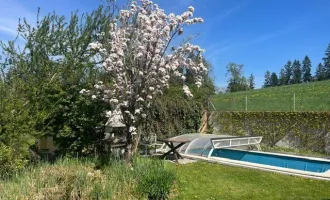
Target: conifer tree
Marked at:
306, 70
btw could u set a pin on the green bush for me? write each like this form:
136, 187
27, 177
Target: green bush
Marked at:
10, 160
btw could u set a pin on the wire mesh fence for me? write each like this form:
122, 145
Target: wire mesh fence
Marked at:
311, 98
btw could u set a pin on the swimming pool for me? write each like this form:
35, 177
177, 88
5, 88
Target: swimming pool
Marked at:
277, 160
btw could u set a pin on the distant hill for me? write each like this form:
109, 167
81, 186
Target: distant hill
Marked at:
313, 96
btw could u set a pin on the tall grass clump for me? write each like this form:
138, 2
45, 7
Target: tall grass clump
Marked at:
78, 179
155, 179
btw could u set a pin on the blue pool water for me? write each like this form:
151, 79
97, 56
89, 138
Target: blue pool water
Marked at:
274, 160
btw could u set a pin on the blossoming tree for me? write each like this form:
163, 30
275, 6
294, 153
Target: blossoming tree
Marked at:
139, 60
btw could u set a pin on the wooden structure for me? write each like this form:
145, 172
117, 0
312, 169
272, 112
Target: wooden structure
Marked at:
173, 148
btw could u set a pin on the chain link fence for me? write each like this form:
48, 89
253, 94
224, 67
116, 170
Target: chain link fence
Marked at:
308, 100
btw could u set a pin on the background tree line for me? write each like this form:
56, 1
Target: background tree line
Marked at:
299, 72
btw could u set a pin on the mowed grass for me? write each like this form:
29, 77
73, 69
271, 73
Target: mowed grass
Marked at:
203, 180
309, 97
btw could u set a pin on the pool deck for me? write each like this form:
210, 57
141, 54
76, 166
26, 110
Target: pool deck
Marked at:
306, 174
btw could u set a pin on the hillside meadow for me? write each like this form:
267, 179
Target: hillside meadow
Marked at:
308, 97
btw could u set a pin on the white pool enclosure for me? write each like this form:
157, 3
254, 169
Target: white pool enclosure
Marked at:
203, 144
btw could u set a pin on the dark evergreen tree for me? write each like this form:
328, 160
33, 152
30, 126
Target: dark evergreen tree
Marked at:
321, 72
251, 82
306, 70
273, 80
288, 72
267, 79
296, 68
326, 62
282, 77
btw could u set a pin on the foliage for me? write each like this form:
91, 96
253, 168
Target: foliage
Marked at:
11, 161
288, 71
139, 62
251, 82
306, 70
282, 77
17, 129
237, 81
326, 60
273, 79
296, 67
171, 116
77, 124
44, 77
212, 181
294, 73
309, 97
40, 83
305, 130
77, 179
321, 72
267, 82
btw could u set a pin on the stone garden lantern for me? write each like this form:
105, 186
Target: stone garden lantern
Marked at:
115, 139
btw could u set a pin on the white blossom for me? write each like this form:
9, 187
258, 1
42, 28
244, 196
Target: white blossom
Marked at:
191, 9
83, 91
186, 90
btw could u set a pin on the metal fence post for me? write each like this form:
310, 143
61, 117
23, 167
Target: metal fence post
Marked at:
246, 102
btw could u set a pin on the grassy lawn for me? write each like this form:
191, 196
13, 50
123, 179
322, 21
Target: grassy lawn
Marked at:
309, 97
213, 181
78, 179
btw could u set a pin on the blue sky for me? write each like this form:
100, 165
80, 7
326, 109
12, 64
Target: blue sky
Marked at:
261, 34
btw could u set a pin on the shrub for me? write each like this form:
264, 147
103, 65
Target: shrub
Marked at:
10, 161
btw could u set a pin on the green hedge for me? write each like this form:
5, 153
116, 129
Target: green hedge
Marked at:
169, 117
306, 130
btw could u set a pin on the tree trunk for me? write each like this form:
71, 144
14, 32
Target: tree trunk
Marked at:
137, 140
128, 147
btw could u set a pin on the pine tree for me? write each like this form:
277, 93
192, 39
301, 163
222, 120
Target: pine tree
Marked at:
326, 60
296, 68
282, 77
251, 82
273, 80
306, 70
288, 72
321, 73
267, 80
